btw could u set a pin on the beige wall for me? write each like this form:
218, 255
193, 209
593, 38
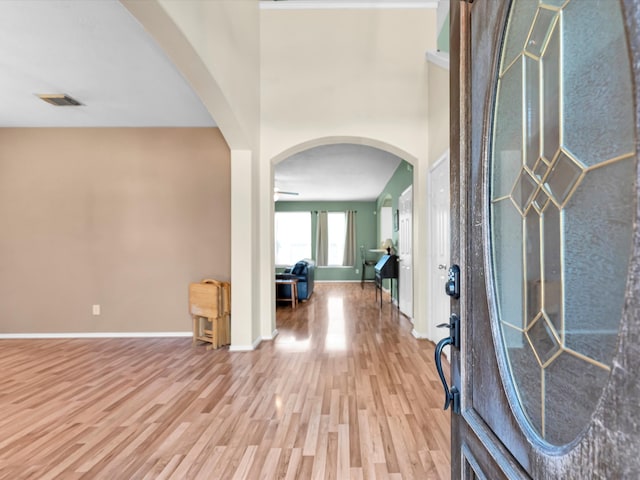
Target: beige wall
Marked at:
124, 218
345, 73
216, 45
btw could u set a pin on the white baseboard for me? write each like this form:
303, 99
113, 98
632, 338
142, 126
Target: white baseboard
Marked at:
342, 281
246, 348
418, 335
350, 5
273, 336
94, 335
440, 59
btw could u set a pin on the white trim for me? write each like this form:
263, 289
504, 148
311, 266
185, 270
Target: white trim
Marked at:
246, 348
443, 12
440, 159
418, 335
438, 58
319, 267
273, 336
95, 335
341, 281
342, 5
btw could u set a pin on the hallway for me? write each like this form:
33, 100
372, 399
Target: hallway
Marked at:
344, 392
379, 395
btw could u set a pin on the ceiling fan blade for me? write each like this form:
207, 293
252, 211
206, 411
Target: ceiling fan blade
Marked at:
280, 192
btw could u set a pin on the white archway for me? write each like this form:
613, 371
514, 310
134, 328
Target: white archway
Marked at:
267, 302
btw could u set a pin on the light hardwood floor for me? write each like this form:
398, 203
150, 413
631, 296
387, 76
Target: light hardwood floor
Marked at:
344, 392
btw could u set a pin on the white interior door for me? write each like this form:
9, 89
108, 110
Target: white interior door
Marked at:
405, 247
439, 245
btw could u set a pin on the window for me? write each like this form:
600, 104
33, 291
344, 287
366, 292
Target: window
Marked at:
386, 223
292, 237
336, 230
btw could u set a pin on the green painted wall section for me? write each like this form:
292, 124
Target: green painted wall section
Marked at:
367, 227
366, 234
443, 37
399, 182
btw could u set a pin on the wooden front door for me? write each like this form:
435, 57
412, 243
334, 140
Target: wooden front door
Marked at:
545, 97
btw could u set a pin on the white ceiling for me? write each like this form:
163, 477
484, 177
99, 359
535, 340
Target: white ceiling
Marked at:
96, 52
345, 4
342, 172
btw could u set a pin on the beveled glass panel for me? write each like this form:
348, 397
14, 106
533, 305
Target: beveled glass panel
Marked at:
564, 174
542, 338
527, 374
540, 170
533, 276
597, 104
532, 110
561, 242
598, 236
552, 265
518, 28
551, 72
540, 200
572, 390
507, 141
541, 28
523, 190
507, 254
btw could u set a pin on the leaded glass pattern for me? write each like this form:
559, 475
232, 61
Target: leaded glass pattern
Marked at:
562, 189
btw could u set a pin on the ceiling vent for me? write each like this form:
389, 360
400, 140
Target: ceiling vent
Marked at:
59, 99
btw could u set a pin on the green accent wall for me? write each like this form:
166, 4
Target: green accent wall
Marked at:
443, 37
366, 234
401, 179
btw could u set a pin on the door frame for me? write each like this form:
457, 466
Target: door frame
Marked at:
435, 291
403, 287
608, 447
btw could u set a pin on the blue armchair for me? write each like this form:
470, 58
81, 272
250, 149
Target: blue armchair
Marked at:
304, 271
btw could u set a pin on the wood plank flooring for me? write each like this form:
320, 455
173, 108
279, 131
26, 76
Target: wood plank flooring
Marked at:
344, 392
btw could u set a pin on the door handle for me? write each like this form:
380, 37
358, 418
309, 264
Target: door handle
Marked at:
452, 395
452, 285
442, 267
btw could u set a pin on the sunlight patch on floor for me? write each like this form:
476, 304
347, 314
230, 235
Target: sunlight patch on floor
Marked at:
290, 343
336, 332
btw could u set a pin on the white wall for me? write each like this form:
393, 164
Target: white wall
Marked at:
216, 46
357, 76
438, 118
286, 80
345, 73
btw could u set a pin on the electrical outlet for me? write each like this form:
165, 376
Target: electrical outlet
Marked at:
96, 309
357, 271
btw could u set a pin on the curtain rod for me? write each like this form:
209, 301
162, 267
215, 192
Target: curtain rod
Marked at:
334, 211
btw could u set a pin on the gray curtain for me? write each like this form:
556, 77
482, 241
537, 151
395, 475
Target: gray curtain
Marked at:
322, 240
349, 258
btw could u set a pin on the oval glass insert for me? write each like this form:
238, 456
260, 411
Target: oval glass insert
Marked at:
562, 196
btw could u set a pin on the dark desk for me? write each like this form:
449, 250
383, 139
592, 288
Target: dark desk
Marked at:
387, 267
